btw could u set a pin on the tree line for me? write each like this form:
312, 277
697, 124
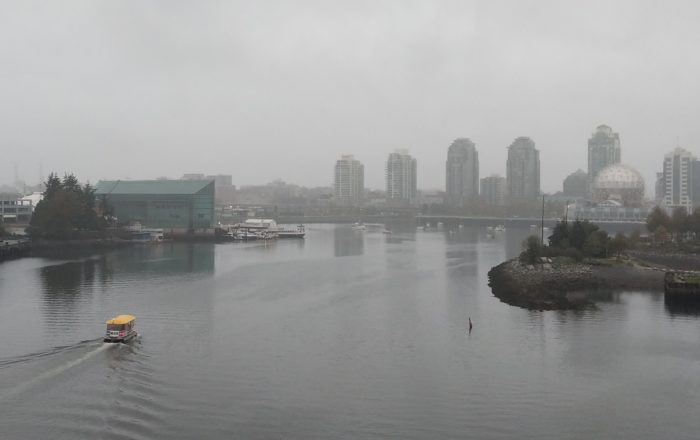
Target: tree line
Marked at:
680, 225
580, 239
68, 210
577, 240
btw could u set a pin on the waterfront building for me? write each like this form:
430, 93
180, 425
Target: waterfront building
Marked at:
224, 187
576, 185
401, 177
349, 181
15, 209
617, 195
462, 172
620, 184
177, 206
220, 180
493, 190
679, 179
193, 176
609, 211
523, 171
603, 150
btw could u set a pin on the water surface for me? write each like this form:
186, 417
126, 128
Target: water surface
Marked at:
346, 334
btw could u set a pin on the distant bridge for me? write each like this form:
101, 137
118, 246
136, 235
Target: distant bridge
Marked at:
617, 225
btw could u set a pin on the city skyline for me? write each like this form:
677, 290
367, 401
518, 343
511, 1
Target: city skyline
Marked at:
649, 183
227, 90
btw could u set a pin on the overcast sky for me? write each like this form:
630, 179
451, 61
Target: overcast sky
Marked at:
264, 90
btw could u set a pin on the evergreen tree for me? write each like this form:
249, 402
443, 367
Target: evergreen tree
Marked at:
560, 235
694, 222
580, 231
53, 185
618, 244
65, 208
679, 221
532, 250
658, 217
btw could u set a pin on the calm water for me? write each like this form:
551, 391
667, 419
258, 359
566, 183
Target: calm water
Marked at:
343, 335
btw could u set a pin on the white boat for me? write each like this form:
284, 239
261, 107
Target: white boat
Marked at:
386, 231
358, 227
255, 229
499, 228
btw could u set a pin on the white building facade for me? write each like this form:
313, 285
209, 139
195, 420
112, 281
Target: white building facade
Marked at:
678, 179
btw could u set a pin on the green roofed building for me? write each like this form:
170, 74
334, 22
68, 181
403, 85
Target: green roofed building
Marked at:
180, 206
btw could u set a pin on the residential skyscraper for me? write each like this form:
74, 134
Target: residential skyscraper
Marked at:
462, 172
603, 150
523, 171
493, 190
679, 179
401, 176
349, 182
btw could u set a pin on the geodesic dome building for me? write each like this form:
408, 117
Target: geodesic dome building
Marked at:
621, 183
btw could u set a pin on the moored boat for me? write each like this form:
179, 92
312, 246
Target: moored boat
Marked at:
358, 227
299, 232
121, 329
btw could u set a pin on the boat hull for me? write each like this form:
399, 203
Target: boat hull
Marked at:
122, 340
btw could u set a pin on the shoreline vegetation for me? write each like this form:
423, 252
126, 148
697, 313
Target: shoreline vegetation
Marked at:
582, 262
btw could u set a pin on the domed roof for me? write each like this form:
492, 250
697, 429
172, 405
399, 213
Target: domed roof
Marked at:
619, 176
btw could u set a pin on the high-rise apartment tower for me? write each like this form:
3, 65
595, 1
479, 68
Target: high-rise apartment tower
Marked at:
401, 177
462, 172
523, 171
349, 182
603, 150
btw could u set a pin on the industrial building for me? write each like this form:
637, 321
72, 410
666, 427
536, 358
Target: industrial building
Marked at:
176, 206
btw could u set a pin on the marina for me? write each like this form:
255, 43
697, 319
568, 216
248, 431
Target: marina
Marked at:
262, 229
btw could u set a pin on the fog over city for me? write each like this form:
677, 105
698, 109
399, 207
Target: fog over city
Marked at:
267, 90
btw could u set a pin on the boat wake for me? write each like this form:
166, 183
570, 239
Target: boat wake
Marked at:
55, 371
7, 362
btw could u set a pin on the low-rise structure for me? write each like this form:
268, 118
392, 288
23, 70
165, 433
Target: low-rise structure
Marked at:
176, 206
14, 209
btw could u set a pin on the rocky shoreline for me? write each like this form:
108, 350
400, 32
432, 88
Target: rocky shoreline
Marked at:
554, 286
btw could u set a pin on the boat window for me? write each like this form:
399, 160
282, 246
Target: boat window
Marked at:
115, 326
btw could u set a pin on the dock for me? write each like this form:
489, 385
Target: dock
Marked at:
14, 248
682, 285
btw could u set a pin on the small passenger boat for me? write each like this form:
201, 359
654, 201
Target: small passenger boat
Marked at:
121, 329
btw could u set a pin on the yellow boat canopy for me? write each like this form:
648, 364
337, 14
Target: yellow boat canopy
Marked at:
121, 319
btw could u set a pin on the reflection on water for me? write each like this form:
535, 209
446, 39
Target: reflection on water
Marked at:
283, 340
682, 306
348, 242
166, 258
